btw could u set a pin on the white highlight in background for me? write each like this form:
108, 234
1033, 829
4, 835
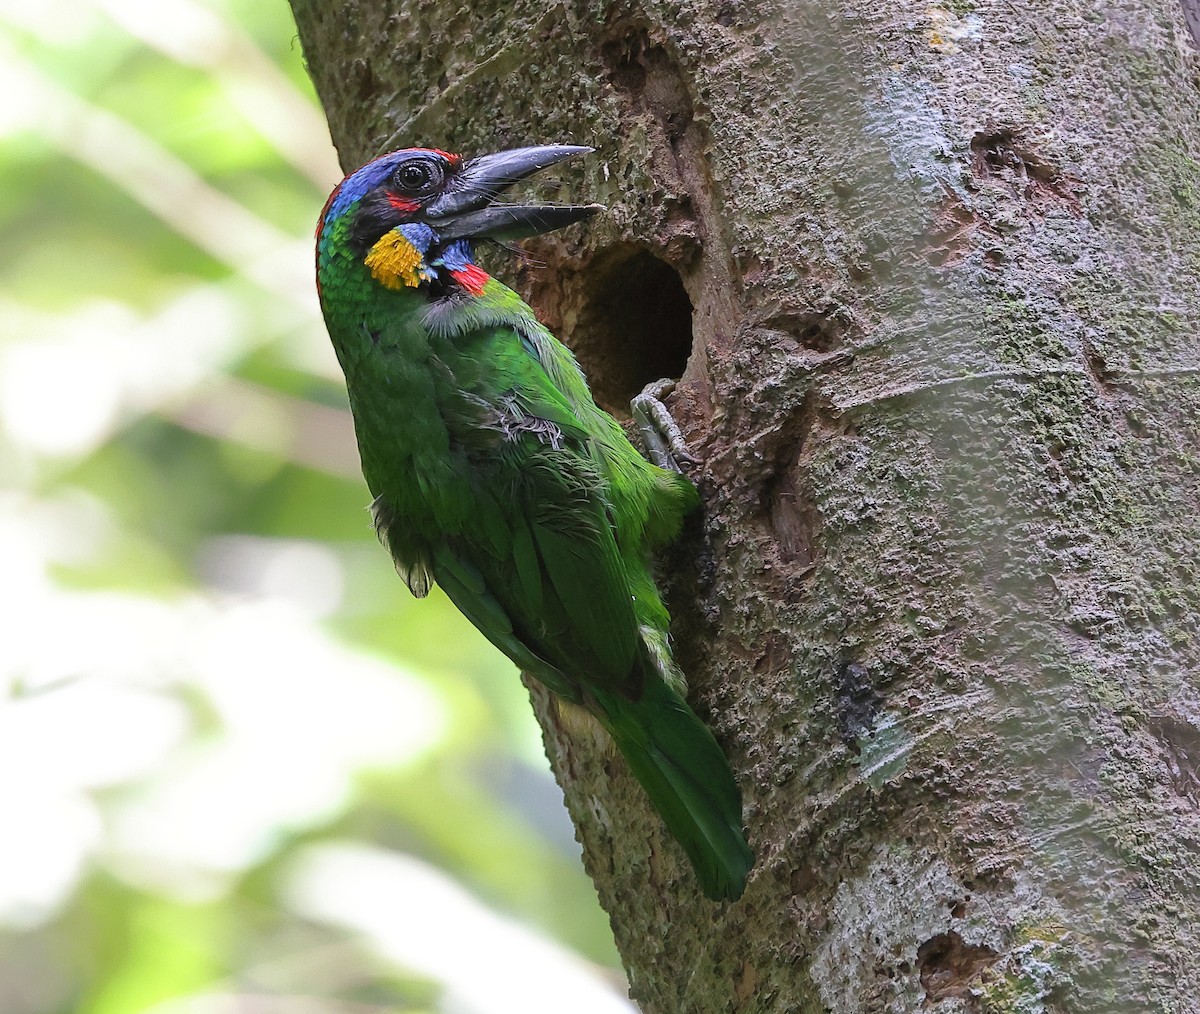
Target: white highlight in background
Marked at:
422, 920
98, 691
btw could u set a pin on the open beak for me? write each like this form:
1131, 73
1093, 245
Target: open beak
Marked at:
465, 210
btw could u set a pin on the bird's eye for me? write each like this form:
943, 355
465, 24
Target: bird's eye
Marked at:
418, 178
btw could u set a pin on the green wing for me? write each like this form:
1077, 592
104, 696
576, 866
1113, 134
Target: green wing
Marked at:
539, 534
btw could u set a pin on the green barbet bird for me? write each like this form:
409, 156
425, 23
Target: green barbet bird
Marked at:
496, 476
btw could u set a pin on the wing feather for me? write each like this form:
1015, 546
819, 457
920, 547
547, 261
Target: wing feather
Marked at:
540, 530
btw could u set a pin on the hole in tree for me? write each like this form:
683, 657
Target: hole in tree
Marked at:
949, 966
634, 325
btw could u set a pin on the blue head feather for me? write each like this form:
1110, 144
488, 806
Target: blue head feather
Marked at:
359, 183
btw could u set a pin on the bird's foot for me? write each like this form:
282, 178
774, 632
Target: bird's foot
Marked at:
660, 432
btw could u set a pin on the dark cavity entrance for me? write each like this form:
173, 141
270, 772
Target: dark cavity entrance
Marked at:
634, 325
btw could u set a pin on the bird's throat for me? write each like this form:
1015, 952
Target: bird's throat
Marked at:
396, 263
399, 259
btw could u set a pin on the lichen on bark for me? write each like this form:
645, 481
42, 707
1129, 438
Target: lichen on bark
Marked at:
941, 602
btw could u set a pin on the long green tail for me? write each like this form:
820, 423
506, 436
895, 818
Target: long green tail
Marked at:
679, 764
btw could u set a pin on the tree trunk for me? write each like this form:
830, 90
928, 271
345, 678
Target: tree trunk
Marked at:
929, 275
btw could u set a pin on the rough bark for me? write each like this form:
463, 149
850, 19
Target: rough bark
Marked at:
938, 349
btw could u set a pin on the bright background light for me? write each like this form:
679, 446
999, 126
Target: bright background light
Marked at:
240, 768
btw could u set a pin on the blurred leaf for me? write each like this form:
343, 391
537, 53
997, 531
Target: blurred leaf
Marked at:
207, 650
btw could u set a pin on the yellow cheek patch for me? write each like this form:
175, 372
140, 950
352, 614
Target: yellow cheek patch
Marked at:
396, 263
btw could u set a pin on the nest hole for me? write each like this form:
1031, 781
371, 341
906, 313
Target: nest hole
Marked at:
634, 325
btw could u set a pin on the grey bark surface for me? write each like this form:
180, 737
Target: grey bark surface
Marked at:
941, 366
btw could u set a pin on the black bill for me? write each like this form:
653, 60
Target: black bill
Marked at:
465, 209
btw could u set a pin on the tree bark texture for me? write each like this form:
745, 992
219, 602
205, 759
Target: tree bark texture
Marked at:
930, 277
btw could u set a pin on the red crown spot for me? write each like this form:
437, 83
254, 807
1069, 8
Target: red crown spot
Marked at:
472, 278
449, 156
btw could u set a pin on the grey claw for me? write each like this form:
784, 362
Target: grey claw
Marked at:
664, 440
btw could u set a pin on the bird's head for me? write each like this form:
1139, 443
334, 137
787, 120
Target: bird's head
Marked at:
412, 216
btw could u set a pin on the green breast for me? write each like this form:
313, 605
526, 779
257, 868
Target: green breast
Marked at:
398, 386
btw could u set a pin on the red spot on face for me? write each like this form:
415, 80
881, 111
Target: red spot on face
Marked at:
472, 278
404, 204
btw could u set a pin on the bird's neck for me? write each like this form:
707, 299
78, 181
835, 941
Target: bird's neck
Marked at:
461, 296
407, 278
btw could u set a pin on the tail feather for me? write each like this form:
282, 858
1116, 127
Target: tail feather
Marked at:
680, 765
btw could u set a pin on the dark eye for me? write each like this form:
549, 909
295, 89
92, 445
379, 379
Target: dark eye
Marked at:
418, 177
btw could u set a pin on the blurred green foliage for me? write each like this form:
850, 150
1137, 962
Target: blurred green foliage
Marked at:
241, 768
